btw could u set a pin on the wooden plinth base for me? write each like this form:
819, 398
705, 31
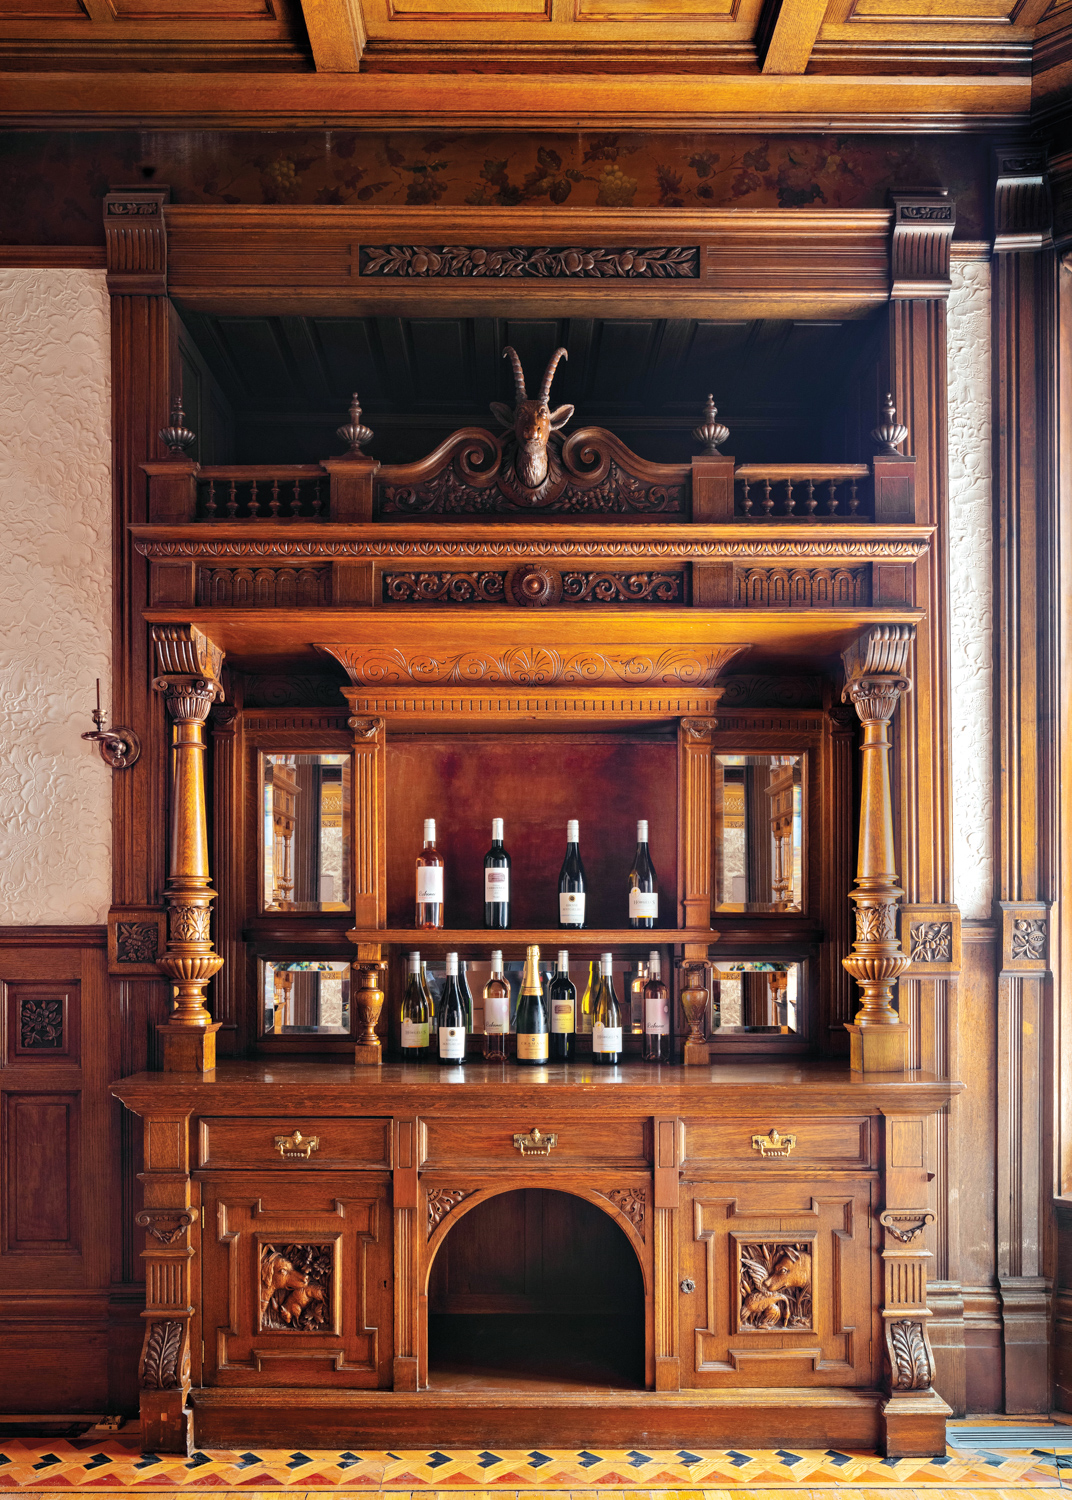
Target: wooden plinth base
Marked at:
370, 1056
915, 1424
166, 1425
189, 1049
878, 1049
332, 1418
696, 1052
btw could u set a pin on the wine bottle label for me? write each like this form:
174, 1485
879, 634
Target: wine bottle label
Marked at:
496, 1013
414, 1033
452, 1041
571, 906
606, 1038
643, 903
561, 1016
656, 1016
532, 1046
430, 883
496, 884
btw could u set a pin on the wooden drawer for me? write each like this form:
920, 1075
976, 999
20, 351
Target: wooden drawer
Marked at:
581, 1140
838, 1142
242, 1144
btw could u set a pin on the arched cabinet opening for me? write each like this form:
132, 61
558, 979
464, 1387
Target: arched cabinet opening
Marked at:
534, 1289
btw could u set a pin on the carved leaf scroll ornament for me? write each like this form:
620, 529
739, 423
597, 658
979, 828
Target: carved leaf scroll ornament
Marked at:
931, 942
1029, 938
160, 1361
910, 1361
441, 1201
533, 666
774, 1287
632, 1204
512, 263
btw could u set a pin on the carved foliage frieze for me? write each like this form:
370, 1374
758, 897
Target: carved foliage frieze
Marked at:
644, 587
441, 1202
802, 588
931, 942
264, 588
162, 1356
444, 587
774, 1287
513, 262
910, 1361
534, 585
533, 666
447, 493
296, 1287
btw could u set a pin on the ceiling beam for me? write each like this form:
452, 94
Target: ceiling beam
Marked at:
787, 33
336, 34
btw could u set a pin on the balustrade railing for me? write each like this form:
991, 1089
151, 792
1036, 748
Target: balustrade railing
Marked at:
249, 492
803, 492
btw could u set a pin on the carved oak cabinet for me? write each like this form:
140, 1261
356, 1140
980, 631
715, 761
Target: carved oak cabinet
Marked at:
730, 1247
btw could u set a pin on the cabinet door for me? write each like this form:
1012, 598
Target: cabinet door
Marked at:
787, 1283
296, 1279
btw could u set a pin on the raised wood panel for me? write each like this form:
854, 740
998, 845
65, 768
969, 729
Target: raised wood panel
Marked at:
251, 1144
586, 21
261, 1325
41, 1172
43, 1021
733, 1330
839, 1144
582, 1140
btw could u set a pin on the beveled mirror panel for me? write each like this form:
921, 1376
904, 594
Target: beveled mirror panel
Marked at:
752, 995
305, 996
759, 832
305, 832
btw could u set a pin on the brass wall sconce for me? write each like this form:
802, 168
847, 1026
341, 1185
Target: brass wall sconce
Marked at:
119, 748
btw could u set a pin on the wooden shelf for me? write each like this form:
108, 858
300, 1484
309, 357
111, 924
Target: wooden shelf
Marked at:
547, 937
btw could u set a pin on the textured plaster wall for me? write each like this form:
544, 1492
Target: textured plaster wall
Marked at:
55, 594
971, 601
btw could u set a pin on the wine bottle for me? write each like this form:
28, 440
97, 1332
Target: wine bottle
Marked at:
467, 994
452, 1017
531, 1023
643, 886
562, 1003
636, 999
414, 1013
571, 883
496, 880
607, 1019
429, 880
591, 990
496, 1010
431, 991
656, 1014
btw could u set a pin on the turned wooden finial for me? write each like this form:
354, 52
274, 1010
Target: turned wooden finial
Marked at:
711, 432
353, 432
178, 437
889, 434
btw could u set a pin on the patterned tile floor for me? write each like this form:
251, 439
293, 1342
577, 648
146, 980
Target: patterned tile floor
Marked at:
53, 1466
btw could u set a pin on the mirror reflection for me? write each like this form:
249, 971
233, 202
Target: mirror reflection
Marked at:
754, 996
306, 996
759, 807
305, 832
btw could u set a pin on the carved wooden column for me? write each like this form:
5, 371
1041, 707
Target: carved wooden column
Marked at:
669, 1139
190, 666
227, 834
695, 856
1027, 594
169, 1221
875, 680
409, 1138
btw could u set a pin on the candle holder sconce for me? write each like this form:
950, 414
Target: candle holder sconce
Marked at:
119, 748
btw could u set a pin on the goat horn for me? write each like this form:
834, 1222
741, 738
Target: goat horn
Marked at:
520, 393
549, 374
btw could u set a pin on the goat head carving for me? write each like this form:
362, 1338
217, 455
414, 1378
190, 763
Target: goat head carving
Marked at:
532, 422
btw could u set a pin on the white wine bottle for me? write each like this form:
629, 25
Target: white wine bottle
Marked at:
414, 1046
607, 1018
496, 1010
531, 1021
636, 999
643, 886
429, 880
571, 882
452, 1017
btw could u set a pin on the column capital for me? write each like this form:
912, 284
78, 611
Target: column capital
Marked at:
923, 224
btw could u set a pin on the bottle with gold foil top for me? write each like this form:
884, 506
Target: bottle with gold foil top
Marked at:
530, 1023
586, 1010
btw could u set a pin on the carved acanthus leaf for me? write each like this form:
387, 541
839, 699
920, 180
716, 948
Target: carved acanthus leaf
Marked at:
160, 1362
909, 1359
534, 666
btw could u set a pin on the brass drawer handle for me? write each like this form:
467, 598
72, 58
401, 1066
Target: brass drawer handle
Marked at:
773, 1144
297, 1147
535, 1143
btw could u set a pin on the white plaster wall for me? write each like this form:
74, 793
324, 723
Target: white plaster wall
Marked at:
971, 601
55, 594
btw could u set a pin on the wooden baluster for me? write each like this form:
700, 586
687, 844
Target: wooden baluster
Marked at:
811, 502
831, 497
295, 504
209, 503
273, 504
232, 502
746, 498
790, 503
854, 503
768, 498
317, 502
253, 499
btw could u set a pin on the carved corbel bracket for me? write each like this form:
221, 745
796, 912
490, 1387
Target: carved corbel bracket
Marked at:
923, 226
135, 241
1023, 212
166, 1224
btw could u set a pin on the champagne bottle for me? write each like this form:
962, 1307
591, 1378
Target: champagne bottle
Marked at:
562, 1002
588, 999
636, 999
571, 883
496, 1010
656, 1014
452, 1017
432, 996
607, 1019
429, 880
643, 886
414, 1013
496, 880
531, 1023
467, 994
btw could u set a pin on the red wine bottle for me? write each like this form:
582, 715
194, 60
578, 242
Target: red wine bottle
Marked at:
452, 1017
562, 1003
496, 880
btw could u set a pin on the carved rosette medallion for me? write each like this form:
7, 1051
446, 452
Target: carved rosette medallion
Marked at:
774, 1287
911, 1367
931, 942
534, 585
632, 1204
441, 1202
296, 1288
41, 1023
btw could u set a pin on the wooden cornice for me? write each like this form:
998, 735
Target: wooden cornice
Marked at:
102, 100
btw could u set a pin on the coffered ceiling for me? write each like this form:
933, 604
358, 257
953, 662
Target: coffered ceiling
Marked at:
798, 63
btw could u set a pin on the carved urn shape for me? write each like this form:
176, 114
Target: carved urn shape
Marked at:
711, 433
177, 437
694, 1001
889, 434
354, 432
